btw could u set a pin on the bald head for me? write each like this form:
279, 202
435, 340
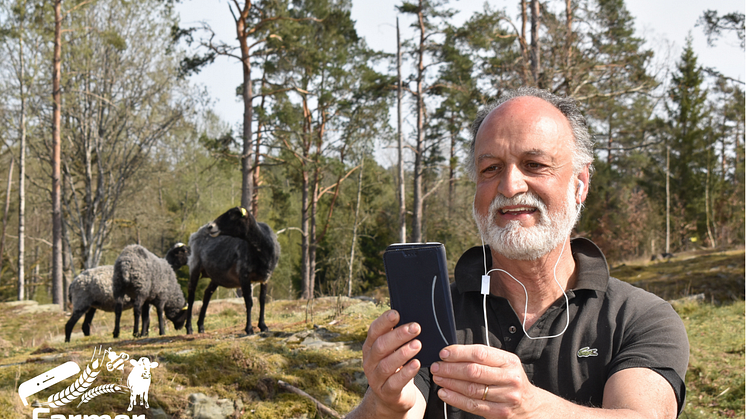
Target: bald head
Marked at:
542, 103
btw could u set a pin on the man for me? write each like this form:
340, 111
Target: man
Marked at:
565, 339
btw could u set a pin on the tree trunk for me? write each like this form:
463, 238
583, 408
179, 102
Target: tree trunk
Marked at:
708, 218
452, 168
525, 68
22, 182
312, 240
355, 226
305, 268
535, 42
400, 142
255, 175
57, 294
247, 184
419, 148
5, 222
668, 199
609, 139
568, 48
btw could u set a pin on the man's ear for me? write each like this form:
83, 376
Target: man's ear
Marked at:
584, 181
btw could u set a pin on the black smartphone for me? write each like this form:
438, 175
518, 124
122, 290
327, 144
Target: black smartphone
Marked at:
417, 276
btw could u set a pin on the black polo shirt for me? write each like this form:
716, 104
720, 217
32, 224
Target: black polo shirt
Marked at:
613, 326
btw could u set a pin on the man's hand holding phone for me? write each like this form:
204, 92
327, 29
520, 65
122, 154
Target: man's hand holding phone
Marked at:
417, 277
387, 361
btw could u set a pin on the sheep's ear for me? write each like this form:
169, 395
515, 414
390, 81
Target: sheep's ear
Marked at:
185, 307
133, 362
153, 364
243, 211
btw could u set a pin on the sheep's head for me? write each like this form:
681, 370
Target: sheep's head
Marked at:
178, 256
236, 222
178, 316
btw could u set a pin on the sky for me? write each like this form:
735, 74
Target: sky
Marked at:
664, 23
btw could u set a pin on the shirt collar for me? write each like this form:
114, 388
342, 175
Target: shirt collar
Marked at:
590, 265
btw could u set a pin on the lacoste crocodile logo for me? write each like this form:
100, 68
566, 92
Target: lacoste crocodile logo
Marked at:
587, 352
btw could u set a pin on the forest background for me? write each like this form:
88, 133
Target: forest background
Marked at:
144, 158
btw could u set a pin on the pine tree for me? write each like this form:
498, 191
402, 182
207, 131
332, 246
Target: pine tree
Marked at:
688, 142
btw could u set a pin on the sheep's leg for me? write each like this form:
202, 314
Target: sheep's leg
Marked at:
161, 318
117, 316
205, 301
262, 298
71, 323
137, 309
87, 321
249, 301
145, 319
194, 275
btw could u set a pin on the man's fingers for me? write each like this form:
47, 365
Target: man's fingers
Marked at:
480, 354
382, 340
395, 383
468, 389
468, 404
383, 324
386, 351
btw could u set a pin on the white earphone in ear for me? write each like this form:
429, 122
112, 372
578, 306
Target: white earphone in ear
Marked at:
580, 189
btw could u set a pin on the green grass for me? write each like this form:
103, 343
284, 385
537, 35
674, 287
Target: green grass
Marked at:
224, 363
715, 325
715, 378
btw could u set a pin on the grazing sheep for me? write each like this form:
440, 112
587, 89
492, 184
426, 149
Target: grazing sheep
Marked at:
234, 253
89, 291
92, 289
148, 279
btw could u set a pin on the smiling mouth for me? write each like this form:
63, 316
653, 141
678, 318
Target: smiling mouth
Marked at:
517, 211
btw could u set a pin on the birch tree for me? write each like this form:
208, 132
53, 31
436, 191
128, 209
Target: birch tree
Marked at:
121, 97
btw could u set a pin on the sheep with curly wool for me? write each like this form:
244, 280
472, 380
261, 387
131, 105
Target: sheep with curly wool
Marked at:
233, 257
148, 280
92, 290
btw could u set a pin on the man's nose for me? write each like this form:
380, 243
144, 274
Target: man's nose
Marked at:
512, 182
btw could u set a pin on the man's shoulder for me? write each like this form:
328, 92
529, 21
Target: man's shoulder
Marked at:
618, 289
635, 302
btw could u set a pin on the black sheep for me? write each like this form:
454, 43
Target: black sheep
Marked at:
233, 251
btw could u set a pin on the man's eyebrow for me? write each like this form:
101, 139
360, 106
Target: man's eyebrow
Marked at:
534, 152
485, 156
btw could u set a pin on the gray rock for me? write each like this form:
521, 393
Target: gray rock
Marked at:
158, 413
202, 406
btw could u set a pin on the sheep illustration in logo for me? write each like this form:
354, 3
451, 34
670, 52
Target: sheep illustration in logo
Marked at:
139, 381
116, 362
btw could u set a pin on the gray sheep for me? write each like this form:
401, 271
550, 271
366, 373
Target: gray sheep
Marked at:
232, 258
89, 291
92, 289
147, 279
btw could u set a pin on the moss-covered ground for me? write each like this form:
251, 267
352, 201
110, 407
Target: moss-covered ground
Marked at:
226, 364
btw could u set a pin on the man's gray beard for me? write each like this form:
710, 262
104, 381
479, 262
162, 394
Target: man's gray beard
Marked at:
527, 243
